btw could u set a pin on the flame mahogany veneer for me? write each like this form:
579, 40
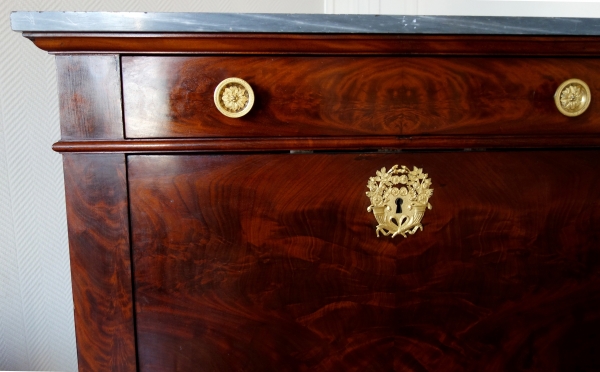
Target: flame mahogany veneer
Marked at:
188, 255
353, 96
270, 263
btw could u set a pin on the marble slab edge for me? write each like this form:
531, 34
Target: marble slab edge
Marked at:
298, 23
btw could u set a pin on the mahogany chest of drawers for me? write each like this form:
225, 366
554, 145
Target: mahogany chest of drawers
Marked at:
274, 241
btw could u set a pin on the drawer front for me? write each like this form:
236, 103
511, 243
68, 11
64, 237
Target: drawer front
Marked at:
356, 96
271, 263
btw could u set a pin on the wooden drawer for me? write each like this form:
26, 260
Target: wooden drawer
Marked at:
356, 96
271, 263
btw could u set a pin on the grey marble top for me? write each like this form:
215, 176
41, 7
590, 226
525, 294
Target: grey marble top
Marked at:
298, 23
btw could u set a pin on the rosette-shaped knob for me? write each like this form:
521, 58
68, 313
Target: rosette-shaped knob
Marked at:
234, 97
572, 97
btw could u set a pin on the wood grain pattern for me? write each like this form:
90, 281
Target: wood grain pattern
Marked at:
374, 143
210, 43
89, 88
271, 263
97, 215
353, 96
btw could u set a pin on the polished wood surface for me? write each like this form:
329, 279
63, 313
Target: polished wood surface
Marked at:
371, 143
232, 43
270, 262
352, 96
89, 88
97, 215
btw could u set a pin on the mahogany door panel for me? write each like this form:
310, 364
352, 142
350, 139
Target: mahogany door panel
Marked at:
355, 96
270, 262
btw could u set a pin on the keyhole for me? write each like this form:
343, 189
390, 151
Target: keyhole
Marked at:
399, 205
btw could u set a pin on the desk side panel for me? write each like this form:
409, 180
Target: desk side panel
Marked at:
97, 213
89, 88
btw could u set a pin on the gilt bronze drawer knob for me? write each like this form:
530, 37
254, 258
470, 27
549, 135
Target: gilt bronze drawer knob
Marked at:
572, 97
399, 198
234, 97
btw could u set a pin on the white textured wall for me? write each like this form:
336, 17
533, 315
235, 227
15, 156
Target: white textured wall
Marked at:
36, 306
535, 8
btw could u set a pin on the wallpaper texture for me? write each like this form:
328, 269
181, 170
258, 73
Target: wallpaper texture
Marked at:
36, 306
523, 8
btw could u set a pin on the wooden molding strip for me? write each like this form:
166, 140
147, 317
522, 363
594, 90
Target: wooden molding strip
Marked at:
321, 44
321, 143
